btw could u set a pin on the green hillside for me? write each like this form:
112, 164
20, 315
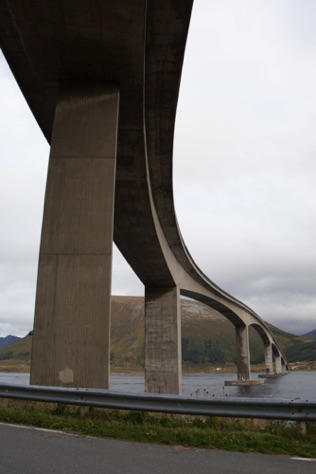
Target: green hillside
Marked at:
208, 340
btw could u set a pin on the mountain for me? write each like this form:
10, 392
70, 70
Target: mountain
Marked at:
208, 340
17, 356
296, 348
7, 341
311, 335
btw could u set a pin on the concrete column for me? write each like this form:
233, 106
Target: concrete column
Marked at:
278, 364
284, 366
72, 313
162, 340
243, 353
268, 357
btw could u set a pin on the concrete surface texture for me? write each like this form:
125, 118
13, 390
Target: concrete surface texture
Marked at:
75, 61
74, 278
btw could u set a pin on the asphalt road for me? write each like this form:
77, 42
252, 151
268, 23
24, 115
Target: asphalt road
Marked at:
31, 451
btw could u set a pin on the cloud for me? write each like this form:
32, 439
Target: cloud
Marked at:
244, 154
23, 158
244, 165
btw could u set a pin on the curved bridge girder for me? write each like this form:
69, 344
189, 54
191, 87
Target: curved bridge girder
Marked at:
159, 128
138, 48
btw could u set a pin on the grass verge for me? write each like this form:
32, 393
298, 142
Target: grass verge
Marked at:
190, 431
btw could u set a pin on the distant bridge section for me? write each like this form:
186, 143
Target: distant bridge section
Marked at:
102, 80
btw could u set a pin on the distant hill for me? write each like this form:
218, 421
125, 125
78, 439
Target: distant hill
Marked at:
17, 356
311, 335
208, 340
296, 348
7, 341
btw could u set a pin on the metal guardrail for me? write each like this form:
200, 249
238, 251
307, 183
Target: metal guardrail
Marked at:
276, 409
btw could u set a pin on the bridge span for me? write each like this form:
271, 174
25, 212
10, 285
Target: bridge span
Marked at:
102, 80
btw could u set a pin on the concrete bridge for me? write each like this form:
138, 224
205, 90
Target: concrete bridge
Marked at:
102, 80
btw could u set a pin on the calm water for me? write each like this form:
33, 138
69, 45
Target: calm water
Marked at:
294, 385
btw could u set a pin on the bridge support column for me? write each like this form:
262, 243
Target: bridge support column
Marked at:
268, 357
72, 313
162, 340
278, 364
243, 353
284, 366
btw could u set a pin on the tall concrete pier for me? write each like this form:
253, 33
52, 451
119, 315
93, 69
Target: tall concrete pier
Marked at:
102, 80
74, 279
162, 340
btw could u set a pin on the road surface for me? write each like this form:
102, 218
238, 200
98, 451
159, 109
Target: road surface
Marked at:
35, 451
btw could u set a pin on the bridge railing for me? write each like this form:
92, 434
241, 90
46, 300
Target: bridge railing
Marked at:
264, 408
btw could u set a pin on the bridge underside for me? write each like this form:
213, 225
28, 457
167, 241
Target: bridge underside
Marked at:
102, 79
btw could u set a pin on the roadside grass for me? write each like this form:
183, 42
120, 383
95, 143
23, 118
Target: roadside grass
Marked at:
268, 437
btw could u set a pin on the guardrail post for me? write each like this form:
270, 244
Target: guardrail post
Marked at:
301, 427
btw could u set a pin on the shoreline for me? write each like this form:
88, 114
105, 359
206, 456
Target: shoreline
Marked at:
295, 367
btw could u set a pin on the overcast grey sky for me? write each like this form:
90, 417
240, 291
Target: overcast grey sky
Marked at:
244, 165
